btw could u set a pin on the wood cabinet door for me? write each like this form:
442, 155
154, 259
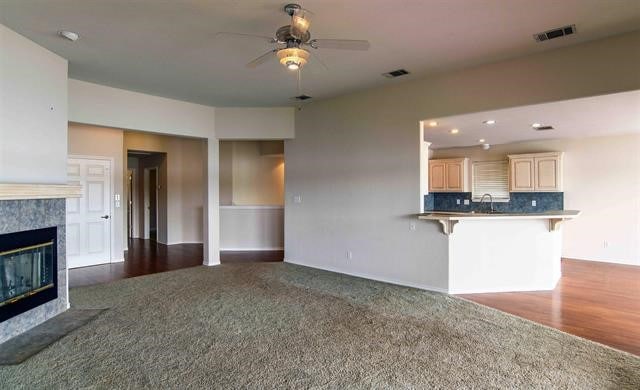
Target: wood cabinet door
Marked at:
454, 176
522, 175
547, 176
437, 179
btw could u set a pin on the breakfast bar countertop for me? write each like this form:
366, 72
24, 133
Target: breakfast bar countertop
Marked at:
457, 215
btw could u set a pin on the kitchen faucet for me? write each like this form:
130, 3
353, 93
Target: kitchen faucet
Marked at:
490, 199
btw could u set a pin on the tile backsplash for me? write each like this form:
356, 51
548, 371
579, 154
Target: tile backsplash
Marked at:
519, 202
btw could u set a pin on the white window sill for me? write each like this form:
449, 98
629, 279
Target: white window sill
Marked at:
486, 200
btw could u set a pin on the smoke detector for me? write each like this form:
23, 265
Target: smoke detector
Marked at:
69, 35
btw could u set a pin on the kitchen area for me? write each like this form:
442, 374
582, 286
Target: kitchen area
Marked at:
502, 220
514, 191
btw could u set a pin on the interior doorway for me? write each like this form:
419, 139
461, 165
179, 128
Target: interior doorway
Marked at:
147, 208
151, 204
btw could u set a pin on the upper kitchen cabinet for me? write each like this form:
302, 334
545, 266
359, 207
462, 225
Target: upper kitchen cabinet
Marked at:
535, 172
449, 175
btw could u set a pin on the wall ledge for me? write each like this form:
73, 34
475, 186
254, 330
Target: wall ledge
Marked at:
16, 191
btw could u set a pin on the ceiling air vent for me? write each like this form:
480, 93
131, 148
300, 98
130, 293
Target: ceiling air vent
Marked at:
555, 33
543, 128
301, 97
395, 73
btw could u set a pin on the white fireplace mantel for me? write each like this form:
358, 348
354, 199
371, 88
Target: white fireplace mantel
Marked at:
15, 191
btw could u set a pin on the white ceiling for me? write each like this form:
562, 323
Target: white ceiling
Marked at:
587, 117
168, 48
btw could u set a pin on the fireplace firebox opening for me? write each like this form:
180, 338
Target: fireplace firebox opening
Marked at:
28, 270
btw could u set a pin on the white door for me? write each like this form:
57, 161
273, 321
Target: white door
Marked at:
89, 217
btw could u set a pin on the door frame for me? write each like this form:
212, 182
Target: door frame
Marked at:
147, 217
110, 160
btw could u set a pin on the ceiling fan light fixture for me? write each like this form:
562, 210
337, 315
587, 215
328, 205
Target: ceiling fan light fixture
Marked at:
300, 22
293, 58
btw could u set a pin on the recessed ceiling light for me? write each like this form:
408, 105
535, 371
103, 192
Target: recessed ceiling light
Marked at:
536, 125
489, 122
454, 131
433, 124
481, 140
70, 35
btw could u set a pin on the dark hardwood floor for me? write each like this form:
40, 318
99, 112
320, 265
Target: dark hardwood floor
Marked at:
148, 257
597, 301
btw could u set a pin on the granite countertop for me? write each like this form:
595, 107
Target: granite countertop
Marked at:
456, 215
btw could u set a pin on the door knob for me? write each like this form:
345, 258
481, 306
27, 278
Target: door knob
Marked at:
105, 217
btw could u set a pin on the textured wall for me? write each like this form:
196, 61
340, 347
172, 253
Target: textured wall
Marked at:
21, 215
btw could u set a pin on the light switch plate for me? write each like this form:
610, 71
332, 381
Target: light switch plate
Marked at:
457, 201
466, 202
297, 199
534, 203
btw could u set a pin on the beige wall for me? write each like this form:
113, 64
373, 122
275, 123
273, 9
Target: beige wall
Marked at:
602, 179
33, 112
86, 140
353, 169
181, 181
250, 174
226, 172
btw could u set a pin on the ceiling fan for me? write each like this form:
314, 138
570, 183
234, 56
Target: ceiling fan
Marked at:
293, 40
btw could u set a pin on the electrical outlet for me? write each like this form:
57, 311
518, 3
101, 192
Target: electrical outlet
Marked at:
349, 255
534, 203
457, 201
605, 244
412, 226
466, 202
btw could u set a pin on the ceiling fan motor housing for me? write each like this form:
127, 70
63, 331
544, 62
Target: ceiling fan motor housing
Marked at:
284, 35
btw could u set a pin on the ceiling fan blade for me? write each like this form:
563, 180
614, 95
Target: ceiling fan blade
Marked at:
320, 61
262, 59
342, 44
241, 35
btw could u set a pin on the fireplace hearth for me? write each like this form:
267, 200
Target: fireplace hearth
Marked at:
28, 270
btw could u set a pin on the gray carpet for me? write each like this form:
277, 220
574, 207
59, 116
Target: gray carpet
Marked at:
284, 326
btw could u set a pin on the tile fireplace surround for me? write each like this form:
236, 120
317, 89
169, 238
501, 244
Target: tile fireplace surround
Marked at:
28, 214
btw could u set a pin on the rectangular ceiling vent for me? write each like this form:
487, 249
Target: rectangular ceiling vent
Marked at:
301, 97
395, 73
544, 128
555, 33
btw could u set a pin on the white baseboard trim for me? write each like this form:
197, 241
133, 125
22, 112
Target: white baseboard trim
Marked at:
184, 242
117, 260
546, 287
371, 277
279, 248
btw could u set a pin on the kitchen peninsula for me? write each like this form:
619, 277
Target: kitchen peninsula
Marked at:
502, 251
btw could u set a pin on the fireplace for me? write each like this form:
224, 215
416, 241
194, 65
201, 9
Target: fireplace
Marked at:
28, 270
